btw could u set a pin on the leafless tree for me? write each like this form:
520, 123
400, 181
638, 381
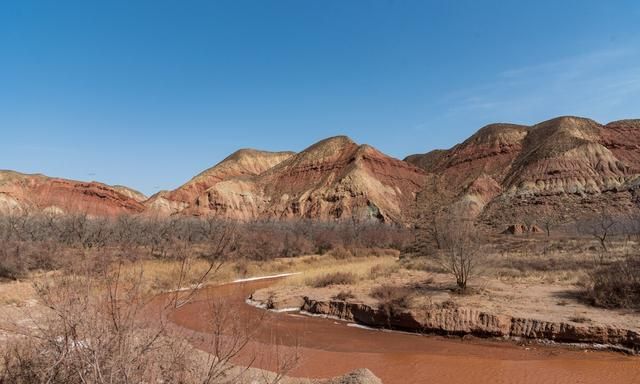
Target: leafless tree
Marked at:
600, 227
459, 243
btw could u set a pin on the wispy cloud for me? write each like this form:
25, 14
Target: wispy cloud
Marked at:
603, 85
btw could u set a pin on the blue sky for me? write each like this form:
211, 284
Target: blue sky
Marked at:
149, 93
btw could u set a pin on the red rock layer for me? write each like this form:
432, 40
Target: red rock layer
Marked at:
20, 192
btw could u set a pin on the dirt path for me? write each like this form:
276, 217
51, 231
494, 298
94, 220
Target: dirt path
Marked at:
331, 348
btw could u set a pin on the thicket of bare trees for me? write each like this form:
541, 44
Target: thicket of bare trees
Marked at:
41, 241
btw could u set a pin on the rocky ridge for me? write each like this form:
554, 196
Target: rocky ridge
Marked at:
571, 166
21, 192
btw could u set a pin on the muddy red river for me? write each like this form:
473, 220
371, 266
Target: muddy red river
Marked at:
330, 348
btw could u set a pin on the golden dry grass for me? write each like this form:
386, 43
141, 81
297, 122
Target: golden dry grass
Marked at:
16, 293
161, 275
361, 268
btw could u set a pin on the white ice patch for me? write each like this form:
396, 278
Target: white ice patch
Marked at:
354, 325
255, 303
291, 309
260, 305
190, 288
322, 316
265, 277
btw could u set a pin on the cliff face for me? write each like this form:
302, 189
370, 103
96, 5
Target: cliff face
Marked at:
571, 164
332, 179
20, 192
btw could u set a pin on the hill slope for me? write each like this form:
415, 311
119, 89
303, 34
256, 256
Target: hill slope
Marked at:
567, 166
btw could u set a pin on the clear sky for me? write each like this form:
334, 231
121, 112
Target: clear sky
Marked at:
149, 93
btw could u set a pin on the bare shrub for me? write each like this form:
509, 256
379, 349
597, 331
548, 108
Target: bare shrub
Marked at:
616, 285
34, 239
93, 334
335, 278
374, 252
340, 253
381, 270
392, 299
383, 252
11, 265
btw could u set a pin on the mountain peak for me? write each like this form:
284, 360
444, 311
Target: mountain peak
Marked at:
331, 143
497, 134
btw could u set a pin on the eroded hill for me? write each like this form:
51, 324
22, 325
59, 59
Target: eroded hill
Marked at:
566, 167
332, 179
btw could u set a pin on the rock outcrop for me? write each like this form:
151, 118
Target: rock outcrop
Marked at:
23, 193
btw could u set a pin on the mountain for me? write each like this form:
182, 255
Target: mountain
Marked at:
21, 192
242, 163
567, 166
332, 179
564, 168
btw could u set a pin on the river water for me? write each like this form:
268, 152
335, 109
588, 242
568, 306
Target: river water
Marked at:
330, 348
